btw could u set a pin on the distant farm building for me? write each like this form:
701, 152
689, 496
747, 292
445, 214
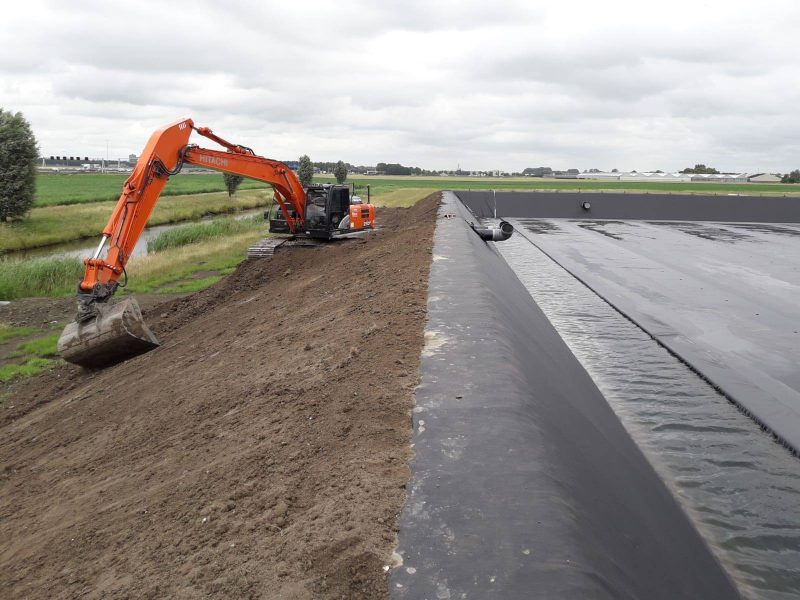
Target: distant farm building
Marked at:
764, 178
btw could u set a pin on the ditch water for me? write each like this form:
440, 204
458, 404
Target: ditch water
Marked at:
739, 486
85, 247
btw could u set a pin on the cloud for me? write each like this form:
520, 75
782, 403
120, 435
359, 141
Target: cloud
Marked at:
487, 85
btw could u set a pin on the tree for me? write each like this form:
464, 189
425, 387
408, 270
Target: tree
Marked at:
793, 177
18, 154
340, 172
305, 172
232, 182
538, 172
701, 169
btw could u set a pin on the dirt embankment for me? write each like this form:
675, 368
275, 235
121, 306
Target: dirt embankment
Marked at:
261, 452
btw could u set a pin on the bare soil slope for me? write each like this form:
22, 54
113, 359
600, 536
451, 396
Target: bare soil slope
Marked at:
261, 452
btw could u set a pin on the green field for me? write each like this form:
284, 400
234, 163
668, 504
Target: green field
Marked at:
400, 198
78, 188
57, 189
381, 185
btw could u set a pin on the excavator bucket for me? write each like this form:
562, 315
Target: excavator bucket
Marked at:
116, 334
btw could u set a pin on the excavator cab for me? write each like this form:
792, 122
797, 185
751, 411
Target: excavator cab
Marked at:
326, 208
327, 213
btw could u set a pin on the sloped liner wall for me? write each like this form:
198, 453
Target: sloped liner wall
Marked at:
524, 483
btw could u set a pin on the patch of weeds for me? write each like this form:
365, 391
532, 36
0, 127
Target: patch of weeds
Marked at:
38, 355
31, 367
41, 347
24, 278
197, 232
8, 332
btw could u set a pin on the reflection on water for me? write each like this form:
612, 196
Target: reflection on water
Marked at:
740, 487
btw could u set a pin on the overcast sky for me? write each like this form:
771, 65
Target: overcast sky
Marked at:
484, 85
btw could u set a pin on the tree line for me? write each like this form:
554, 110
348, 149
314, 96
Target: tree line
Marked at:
398, 169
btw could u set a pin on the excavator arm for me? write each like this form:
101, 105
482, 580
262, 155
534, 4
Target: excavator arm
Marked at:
164, 155
102, 335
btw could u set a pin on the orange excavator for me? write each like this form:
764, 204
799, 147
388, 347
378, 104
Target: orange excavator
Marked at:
104, 334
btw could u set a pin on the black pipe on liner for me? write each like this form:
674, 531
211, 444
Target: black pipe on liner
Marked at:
495, 234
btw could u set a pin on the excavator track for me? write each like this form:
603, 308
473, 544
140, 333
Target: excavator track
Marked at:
268, 246
265, 248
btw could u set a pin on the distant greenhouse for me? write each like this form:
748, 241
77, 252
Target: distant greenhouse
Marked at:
683, 177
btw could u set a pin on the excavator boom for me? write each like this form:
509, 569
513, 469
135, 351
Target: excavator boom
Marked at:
103, 335
164, 155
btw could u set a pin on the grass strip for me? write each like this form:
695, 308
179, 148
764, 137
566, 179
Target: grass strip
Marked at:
39, 277
399, 198
196, 232
172, 267
384, 184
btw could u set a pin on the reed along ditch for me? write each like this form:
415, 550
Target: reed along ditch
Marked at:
737, 484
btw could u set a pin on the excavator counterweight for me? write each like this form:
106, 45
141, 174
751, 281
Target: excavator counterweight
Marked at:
103, 334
